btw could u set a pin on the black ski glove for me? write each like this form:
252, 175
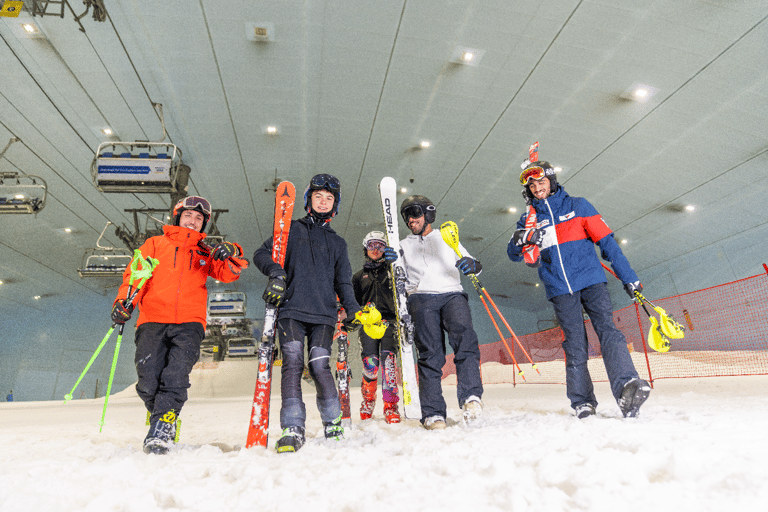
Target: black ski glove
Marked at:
275, 290
468, 266
528, 236
224, 250
390, 255
120, 313
526, 197
632, 287
351, 324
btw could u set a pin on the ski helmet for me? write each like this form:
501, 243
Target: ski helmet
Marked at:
374, 236
196, 203
416, 206
323, 182
536, 171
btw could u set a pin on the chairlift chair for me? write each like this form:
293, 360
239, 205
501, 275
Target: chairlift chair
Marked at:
101, 261
22, 193
130, 167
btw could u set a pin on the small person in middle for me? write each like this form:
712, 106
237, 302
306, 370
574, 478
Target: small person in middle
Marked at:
317, 269
374, 284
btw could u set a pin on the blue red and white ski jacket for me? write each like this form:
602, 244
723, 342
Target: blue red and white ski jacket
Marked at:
569, 262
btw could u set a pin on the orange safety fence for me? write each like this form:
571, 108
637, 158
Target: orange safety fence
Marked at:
726, 334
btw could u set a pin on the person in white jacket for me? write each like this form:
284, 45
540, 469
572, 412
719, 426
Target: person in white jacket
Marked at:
438, 305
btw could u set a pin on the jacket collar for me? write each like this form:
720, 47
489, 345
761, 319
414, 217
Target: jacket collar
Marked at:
183, 235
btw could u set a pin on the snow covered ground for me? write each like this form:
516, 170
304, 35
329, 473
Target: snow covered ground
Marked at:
699, 444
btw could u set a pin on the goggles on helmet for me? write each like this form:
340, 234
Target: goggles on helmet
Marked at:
375, 245
195, 203
532, 173
326, 181
415, 211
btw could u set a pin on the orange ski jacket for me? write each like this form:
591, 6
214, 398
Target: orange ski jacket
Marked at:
176, 292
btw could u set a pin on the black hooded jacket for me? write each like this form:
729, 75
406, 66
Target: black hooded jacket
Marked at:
318, 269
374, 284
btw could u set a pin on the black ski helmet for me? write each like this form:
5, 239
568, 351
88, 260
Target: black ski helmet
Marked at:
537, 170
323, 182
196, 203
418, 204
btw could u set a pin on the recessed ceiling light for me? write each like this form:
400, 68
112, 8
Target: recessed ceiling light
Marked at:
270, 129
512, 209
558, 169
690, 207
624, 240
537, 285
1, 282
640, 93
30, 28
466, 56
424, 144
37, 297
67, 230
107, 131
403, 190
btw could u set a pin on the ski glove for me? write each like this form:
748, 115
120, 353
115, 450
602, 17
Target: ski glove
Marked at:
276, 287
224, 250
631, 288
390, 255
121, 313
468, 266
526, 197
523, 237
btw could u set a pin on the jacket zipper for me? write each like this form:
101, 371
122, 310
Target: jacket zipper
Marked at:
557, 244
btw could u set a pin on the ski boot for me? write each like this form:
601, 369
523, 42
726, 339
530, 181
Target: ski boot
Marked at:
291, 440
585, 410
634, 394
391, 414
162, 433
369, 399
334, 429
434, 423
473, 409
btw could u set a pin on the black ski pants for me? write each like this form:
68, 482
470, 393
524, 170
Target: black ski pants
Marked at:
165, 355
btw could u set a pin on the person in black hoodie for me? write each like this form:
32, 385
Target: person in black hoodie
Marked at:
374, 284
317, 270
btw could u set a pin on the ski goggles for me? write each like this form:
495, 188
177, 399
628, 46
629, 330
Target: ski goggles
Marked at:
375, 245
196, 203
325, 181
415, 211
532, 173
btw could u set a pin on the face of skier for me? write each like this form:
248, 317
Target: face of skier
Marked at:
322, 201
375, 249
419, 226
540, 188
191, 219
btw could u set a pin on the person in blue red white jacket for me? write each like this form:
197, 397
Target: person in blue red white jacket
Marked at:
566, 231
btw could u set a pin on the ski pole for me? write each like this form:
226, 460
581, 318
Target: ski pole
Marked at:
661, 330
141, 269
450, 232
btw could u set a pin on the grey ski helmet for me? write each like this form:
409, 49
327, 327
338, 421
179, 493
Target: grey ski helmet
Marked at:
416, 206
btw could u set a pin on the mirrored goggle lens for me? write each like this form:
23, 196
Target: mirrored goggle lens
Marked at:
414, 211
325, 181
375, 245
531, 173
193, 202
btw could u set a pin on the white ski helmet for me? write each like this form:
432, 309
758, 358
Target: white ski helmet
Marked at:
374, 235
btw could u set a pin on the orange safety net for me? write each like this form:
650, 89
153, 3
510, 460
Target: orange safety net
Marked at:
726, 334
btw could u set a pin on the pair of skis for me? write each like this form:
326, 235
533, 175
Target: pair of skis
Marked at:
258, 427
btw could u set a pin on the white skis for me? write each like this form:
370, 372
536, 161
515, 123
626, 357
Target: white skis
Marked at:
411, 403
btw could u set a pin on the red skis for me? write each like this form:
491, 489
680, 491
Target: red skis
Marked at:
531, 251
259, 424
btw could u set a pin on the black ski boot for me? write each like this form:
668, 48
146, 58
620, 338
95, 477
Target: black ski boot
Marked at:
634, 394
334, 429
291, 440
162, 433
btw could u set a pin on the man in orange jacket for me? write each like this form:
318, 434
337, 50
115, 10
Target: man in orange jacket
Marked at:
172, 310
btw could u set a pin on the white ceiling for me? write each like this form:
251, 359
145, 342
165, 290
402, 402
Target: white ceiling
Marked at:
355, 85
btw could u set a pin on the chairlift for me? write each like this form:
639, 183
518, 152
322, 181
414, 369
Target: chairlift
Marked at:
150, 167
139, 166
228, 303
241, 347
102, 261
21, 193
